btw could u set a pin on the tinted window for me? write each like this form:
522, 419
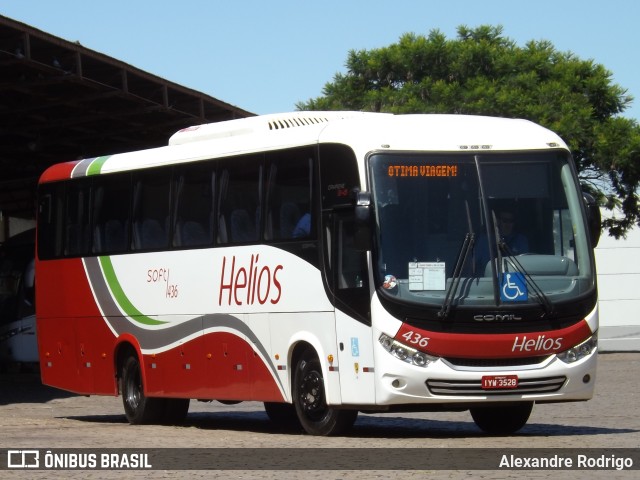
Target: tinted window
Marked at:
338, 175
194, 219
111, 205
77, 231
50, 218
289, 197
239, 208
151, 202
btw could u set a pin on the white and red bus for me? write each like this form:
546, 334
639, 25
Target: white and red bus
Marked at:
323, 263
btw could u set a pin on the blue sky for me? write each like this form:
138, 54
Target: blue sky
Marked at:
264, 56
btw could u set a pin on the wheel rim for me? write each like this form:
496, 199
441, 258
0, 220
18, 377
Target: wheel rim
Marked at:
312, 395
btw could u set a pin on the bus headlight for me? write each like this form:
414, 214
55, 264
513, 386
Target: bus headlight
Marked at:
405, 353
582, 350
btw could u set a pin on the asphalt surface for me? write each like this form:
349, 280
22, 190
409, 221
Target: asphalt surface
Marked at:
36, 416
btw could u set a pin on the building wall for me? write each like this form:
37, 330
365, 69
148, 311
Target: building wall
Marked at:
618, 264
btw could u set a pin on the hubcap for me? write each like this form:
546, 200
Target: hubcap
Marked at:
311, 392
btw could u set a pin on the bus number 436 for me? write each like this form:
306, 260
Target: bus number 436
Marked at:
416, 339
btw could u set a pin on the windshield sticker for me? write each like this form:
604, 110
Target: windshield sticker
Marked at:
513, 288
423, 170
427, 276
390, 282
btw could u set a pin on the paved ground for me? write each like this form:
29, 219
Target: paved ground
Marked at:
33, 416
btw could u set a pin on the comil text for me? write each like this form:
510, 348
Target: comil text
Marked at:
248, 283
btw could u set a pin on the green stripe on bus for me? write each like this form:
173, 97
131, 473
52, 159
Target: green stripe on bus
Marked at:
121, 297
96, 165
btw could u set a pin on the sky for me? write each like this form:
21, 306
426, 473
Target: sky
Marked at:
266, 56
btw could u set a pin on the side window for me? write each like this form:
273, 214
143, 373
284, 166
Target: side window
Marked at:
77, 220
111, 213
50, 218
351, 277
240, 190
338, 175
151, 200
289, 197
194, 219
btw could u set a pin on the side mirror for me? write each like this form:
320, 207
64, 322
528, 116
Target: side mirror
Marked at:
363, 221
594, 219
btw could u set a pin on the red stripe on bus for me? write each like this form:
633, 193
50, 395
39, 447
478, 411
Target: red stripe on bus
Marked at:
506, 345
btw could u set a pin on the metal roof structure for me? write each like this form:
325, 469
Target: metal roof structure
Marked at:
60, 101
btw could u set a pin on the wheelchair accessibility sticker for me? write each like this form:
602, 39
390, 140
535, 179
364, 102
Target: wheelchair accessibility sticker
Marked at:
514, 288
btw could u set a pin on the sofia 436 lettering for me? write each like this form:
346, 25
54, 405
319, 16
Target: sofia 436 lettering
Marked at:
161, 275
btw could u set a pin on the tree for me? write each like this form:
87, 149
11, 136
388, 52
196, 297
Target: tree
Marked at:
484, 73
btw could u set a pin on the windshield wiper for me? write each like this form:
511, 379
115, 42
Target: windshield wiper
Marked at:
467, 246
488, 215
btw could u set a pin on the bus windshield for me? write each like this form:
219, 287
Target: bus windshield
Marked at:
486, 229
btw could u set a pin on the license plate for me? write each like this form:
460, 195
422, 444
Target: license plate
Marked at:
490, 382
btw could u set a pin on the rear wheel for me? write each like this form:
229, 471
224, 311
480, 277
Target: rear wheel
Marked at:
315, 416
138, 408
502, 420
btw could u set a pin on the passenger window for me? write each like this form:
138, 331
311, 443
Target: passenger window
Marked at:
239, 217
151, 210
289, 196
194, 222
50, 220
111, 214
77, 222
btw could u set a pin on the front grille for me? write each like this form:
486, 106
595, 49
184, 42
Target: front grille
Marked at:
474, 387
496, 362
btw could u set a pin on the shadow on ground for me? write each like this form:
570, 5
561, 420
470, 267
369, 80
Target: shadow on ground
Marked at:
26, 387
367, 426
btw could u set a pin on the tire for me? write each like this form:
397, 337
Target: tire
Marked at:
283, 415
502, 420
310, 402
138, 408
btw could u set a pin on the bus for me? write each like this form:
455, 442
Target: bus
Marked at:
325, 264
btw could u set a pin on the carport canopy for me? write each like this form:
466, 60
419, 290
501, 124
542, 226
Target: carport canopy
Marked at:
60, 101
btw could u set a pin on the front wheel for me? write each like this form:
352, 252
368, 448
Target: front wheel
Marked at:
315, 416
502, 420
138, 408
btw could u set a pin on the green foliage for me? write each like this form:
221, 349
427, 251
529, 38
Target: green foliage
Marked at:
482, 72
